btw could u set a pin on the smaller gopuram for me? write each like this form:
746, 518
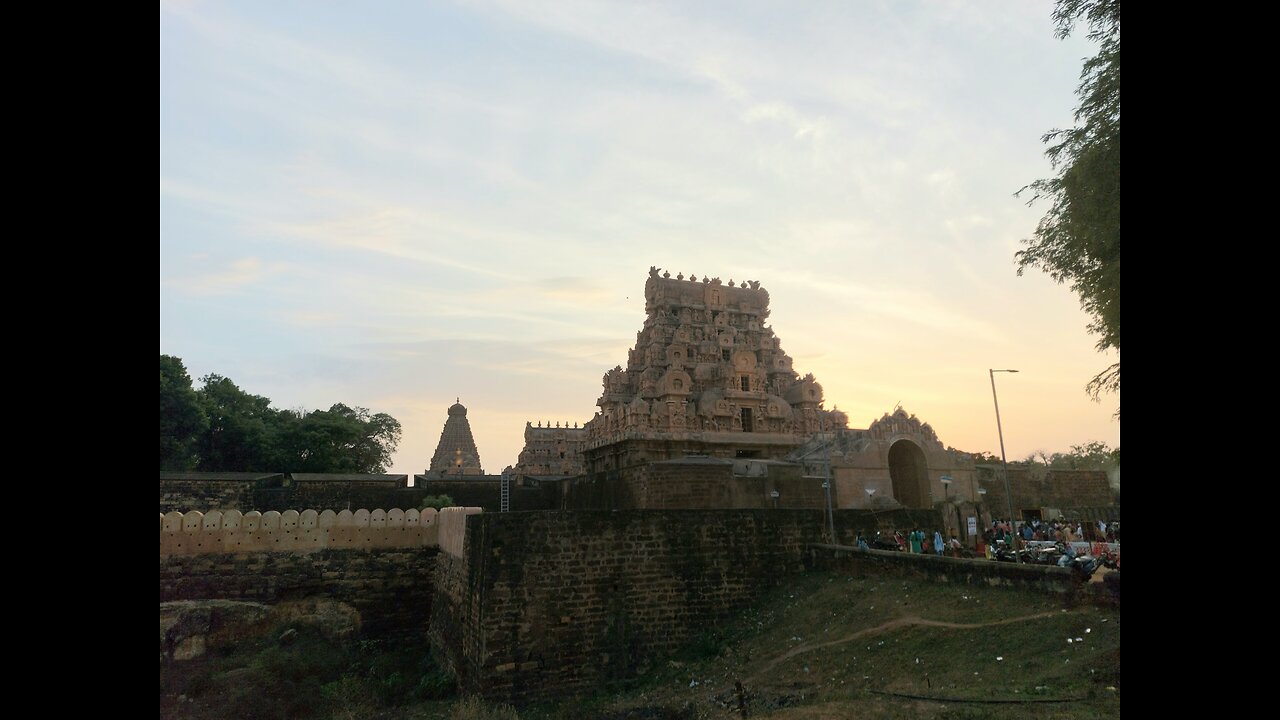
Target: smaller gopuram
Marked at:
706, 377
456, 455
551, 451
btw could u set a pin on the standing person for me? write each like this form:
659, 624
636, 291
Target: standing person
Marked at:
938, 545
916, 537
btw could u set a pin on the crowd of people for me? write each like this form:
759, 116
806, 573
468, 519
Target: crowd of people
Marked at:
1058, 531
918, 541
1001, 531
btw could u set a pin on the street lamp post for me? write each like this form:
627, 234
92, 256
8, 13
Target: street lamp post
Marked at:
946, 498
870, 496
982, 505
826, 481
1008, 495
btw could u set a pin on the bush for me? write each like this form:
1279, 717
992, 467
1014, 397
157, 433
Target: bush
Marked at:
436, 501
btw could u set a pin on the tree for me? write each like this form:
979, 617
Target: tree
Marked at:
1078, 239
340, 439
221, 428
244, 431
182, 419
1093, 455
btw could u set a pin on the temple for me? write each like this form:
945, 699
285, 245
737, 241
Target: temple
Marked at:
456, 454
706, 377
550, 451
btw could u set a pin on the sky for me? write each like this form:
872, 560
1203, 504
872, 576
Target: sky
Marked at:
395, 205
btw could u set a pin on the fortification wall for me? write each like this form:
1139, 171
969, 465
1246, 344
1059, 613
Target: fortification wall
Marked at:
339, 494
1052, 580
486, 494
184, 494
382, 563
663, 486
543, 604
197, 533
391, 588
1037, 487
675, 486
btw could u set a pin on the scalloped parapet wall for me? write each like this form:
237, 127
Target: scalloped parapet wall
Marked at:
453, 528
231, 531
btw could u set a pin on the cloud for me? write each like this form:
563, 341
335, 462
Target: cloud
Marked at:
240, 273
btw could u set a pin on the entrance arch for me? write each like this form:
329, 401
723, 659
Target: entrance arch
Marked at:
909, 473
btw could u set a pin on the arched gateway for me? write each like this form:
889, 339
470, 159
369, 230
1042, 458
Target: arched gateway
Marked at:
909, 473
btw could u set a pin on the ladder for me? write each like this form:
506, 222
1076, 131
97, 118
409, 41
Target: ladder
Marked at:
506, 494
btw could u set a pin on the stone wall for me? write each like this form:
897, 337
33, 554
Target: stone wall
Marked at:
390, 588
1052, 580
486, 494
264, 493
455, 618
212, 491
676, 485
381, 562
340, 493
1036, 487
553, 603
197, 533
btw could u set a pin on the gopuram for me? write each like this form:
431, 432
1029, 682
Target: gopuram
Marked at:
706, 377
456, 454
550, 451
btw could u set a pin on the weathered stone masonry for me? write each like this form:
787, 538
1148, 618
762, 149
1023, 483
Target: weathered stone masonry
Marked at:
382, 563
391, 588
551, 603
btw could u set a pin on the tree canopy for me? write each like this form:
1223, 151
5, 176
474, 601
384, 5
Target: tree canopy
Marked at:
221, 428
1078, 239
182, 418
1093, 455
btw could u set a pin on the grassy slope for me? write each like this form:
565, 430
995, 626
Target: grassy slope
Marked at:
828, 645
824, 646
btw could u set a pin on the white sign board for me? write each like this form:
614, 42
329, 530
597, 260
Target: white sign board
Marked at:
973, 526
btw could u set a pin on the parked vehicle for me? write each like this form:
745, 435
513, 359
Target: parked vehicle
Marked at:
1084, 564
1110, 560
880, 542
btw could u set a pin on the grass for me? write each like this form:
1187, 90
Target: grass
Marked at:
824, 646
312, 676
829, 645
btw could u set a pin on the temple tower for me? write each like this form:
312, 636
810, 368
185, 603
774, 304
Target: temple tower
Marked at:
706, 376
456, 455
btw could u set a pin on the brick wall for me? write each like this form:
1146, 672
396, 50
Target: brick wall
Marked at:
980, 572
1038, 487
676, 486
185, 495
392, 589
557, 602
206, 495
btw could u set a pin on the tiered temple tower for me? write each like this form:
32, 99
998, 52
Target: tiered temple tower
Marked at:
456, 455
706, 376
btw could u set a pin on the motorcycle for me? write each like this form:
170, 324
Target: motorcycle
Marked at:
1004, 553
880, 542
1083, 565
1110, 560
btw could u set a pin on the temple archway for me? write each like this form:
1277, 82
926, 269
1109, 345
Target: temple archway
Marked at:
909, 473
